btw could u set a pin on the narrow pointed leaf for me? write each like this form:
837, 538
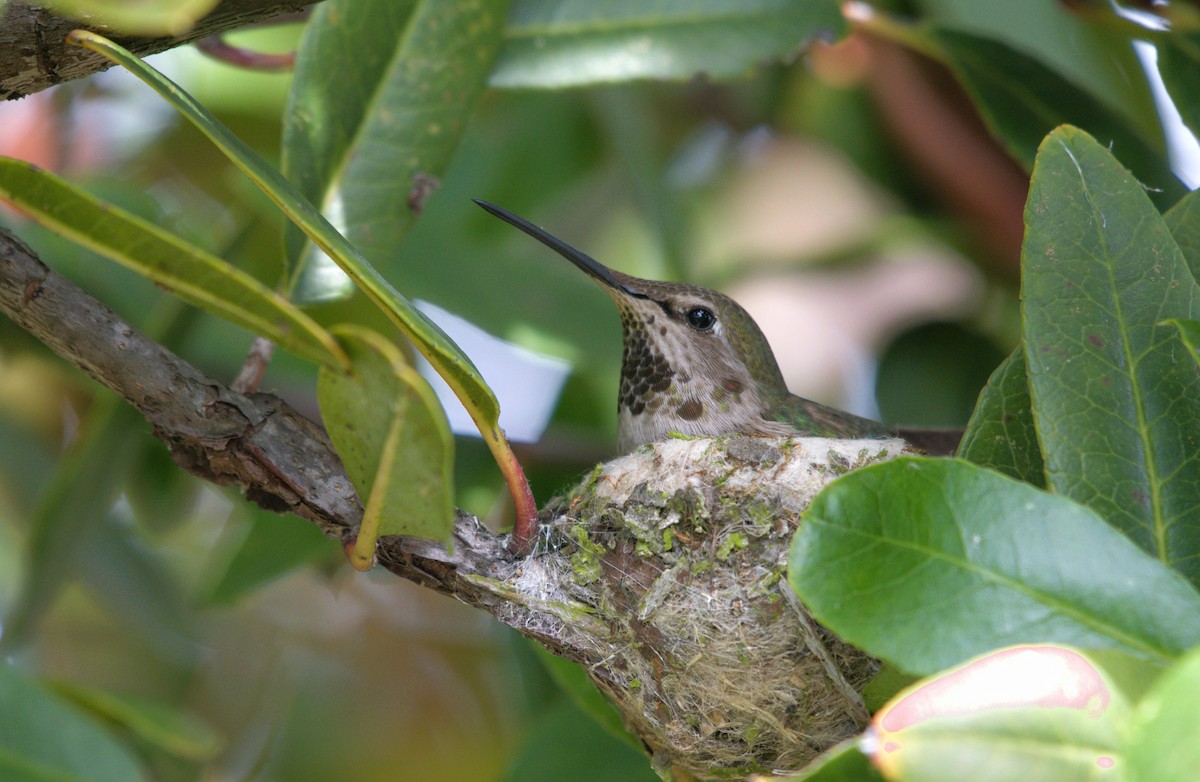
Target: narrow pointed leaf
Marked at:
891, 550
194, 275
446, 357
1000, 434
1117, 409
1022, 100
392, 435
364, 135
158, 724
567, 43
443, 355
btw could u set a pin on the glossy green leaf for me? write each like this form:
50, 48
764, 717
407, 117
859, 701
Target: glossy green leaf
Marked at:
194, 275
42, 737
268, 547
392, 435
1022, 100
569, 43
1179, 63
157, 724
1000, 434
1183, 220
367, 137
1117, 411
844, 762
136, 17
889, 551
1164, 743
1036, 713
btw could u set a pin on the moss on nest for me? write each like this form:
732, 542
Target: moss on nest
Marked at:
676, 555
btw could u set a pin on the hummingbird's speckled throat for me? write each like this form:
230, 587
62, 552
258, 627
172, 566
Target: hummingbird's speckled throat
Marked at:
695, 362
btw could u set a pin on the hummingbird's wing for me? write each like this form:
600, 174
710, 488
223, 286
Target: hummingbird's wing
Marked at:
817, 420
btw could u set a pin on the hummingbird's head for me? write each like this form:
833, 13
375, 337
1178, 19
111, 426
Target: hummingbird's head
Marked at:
694, 361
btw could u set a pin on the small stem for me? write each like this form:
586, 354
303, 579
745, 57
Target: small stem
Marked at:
214, 46
254, 367
525, 526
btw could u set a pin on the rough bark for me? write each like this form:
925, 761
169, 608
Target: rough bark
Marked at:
34, 54
257, 442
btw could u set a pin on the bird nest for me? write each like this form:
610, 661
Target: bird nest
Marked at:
664, 573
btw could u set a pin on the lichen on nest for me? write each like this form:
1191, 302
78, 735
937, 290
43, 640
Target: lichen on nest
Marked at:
665, 570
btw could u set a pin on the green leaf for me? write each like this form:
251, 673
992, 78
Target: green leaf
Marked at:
1183, 220
136, 17
892, 550
82, 489
268, 547
42, 737
568, 43
1000, 434
843, 762
194, 275
1189, 332
162, 726
1035, 713
443, 355
1022, 100
1117, 412
1163, 745
575, 684
1179, 62
365, 135
392, 435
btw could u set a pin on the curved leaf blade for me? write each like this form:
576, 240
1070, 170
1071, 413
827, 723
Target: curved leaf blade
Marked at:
442, 353
392, 435
1117, 411
1000, 434
893, 549
1022, 100
363, 135
197, 277
568, 43
446, 357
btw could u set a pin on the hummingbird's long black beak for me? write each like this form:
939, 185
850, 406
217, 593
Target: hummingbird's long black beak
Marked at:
590, 265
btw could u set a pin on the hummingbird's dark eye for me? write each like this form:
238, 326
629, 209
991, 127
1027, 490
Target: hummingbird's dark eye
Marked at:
701, 318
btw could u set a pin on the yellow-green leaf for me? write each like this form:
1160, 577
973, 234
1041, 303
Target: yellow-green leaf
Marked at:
194, 275
392, 435
136, 17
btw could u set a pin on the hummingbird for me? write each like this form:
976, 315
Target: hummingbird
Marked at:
696, 363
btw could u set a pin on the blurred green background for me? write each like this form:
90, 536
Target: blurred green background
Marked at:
852, 199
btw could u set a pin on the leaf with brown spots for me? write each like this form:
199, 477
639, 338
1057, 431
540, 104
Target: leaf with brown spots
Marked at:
1117, 411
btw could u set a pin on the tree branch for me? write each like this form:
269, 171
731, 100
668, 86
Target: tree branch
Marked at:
277, 457
34, 54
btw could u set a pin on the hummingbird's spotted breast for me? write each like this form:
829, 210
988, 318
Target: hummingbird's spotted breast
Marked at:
644, 370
